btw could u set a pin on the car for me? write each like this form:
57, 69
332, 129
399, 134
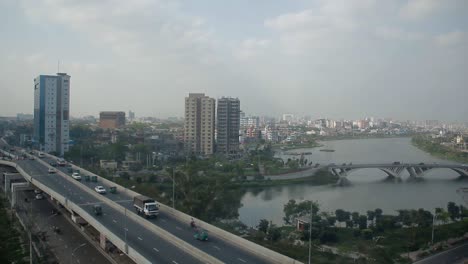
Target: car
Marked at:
37, 191
53, 164
52, 170
76, 176
41, 155
100, 189
396, 163
39, 196
31, 158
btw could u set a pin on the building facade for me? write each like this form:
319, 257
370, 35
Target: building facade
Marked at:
52, 113
111, 119
228, 125
199, 124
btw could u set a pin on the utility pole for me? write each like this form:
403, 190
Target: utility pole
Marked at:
433, 221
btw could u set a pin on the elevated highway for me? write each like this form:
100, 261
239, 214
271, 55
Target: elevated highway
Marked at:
167, 239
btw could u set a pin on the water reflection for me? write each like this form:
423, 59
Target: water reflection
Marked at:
367, 191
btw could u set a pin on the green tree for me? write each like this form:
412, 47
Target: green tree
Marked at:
453, 210
355, 218
263, 225
362, 222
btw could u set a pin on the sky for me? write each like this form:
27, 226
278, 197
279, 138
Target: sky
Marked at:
405, 59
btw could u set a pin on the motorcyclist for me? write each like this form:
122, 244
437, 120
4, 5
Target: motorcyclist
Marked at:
192, 223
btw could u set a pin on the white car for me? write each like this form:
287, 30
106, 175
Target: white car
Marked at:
100, 189
52, 170
39, 196
76, 176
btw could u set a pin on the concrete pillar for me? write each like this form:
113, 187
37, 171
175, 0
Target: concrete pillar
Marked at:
102, 241
8, 178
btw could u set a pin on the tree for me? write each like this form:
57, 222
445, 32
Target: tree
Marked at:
274, 233
378, 213
355, 218
263, 225
370, 215
341, 215
328, 236
453, 210
362, 222
331, 220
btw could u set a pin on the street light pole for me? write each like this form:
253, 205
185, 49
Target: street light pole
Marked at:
173, 189
433, 221
126, 245
310, 228
73, 252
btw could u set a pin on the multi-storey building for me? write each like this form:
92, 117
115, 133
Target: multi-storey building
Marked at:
228, 124
199, 124
52, 112
111, 119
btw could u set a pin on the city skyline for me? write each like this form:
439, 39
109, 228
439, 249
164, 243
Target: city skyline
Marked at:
405, 59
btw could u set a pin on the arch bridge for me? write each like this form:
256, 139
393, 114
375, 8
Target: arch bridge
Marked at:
395, 170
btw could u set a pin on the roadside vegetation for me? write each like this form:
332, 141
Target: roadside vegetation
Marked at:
351, 237
12, 249
434, 147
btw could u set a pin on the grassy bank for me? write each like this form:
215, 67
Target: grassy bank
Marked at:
322, 177
436, 149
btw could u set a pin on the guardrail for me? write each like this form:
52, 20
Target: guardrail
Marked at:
132, 253
267, 254
255, 249
195, 252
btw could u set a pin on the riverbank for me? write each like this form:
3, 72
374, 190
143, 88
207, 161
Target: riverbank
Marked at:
321, 177
435, 149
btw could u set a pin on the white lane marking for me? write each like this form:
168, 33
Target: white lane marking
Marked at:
242, 260
155, 249
123, 201
216, 247
126, 229
114, 221
174, 262
104, 214
163, 220
178, 228
140, 238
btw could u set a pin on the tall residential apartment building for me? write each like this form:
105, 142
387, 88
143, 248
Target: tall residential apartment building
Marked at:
52, 112
111, 119
228, 125
199, 124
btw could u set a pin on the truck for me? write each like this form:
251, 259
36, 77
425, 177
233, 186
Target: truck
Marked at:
146, 206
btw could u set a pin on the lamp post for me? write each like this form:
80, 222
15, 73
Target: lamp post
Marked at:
73, 252
433, 221
310, 228
173, 189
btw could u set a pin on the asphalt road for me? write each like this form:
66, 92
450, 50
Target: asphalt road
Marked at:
147, 243
454, 255
215, 247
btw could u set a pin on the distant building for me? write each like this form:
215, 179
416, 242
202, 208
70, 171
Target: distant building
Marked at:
227, 126
199, 127
24, 117
52, 112
131, 115
111, 120
108, 164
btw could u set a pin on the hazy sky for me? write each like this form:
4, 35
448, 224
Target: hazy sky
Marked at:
337, 59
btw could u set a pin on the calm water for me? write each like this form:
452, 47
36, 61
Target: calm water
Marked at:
367, 191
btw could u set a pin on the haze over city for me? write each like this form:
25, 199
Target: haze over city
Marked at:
337, 59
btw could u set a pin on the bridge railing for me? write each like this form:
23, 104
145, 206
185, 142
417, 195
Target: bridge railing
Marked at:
177, 242
132, 253
255, 249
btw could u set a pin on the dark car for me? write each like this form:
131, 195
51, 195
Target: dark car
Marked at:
396, 163
53, 164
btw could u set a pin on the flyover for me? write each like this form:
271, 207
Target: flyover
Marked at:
395, 170
168, 239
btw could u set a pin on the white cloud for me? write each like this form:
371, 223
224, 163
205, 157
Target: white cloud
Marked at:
250, 48
451, 38
418, 9
393, 33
